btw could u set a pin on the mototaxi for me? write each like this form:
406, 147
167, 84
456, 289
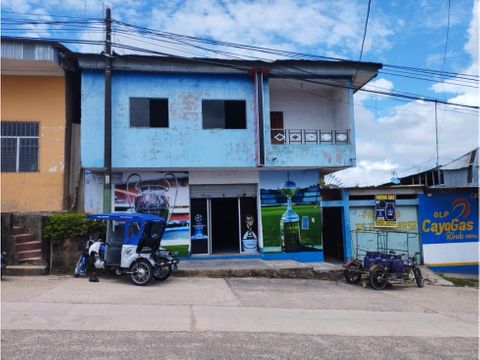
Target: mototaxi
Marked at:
132, 246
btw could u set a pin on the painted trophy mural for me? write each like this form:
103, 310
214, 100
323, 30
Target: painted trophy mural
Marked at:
163, 194
249, 239
291, 211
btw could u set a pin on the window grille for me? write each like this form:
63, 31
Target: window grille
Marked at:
19, 145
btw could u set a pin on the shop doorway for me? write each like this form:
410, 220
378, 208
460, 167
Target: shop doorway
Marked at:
225, 225
333, 234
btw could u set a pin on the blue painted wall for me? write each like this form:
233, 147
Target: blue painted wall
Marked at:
185, 143
315, 155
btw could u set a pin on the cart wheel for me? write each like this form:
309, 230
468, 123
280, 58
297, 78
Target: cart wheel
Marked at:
141, 272
162, 273
378, 277
353, 273
418, 277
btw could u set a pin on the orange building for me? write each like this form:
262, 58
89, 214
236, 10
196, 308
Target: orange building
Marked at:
34, 126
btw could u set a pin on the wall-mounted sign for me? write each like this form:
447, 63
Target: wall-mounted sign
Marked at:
448, 218
385, 213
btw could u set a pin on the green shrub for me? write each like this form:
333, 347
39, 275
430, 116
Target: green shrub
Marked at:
71, 225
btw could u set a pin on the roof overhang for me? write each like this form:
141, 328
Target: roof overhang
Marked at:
32, 57
357, 73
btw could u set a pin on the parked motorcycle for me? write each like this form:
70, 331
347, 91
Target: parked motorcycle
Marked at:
132, 247
395, 269
382, 268
81, 267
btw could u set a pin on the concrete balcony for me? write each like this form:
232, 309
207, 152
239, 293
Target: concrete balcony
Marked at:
290, 148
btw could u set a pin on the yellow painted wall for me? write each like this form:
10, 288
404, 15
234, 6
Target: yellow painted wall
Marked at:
42, 99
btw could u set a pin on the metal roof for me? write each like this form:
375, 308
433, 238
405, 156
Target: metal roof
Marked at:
463, 161
363, 72
33, 57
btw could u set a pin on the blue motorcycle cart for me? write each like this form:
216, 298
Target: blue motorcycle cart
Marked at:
383, 266
132, 247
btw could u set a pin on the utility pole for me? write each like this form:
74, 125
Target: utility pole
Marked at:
436, 133
107, 180
436, 148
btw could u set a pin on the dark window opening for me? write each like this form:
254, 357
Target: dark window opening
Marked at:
146, 112
19, 146
224, 114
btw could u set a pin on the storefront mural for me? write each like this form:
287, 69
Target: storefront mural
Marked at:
367, 237
199, 227
159, 193
291, 219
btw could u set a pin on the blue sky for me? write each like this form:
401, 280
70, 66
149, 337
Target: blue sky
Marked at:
392, 135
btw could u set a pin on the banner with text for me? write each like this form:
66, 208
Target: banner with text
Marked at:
385, 212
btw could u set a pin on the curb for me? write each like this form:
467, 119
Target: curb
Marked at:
295, 273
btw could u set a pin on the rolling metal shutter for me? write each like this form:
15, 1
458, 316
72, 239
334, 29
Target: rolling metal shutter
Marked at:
221, 191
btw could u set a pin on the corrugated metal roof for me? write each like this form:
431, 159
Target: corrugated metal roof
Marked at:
462, 162
28, 51
35, 56
304, 69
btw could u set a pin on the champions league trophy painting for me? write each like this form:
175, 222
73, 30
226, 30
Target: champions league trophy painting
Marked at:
198, 233
151, 197
290, 221
249, 240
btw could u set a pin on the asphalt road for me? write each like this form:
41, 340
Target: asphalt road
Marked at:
203, 318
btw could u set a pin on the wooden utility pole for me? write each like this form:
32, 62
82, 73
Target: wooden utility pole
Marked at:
107, 180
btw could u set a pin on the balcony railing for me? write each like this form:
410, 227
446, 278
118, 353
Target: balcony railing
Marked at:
311, 136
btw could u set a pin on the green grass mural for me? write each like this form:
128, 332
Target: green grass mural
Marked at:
310, 237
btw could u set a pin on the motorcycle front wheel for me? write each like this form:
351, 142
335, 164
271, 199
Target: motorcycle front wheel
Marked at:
162, 273
378, 277
418, 277
141, 272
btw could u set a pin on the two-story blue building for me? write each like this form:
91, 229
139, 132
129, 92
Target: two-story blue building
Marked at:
230, 151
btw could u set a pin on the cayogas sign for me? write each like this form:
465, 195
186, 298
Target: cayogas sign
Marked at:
448, 218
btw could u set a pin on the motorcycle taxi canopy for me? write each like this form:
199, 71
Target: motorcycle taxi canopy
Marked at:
129, 218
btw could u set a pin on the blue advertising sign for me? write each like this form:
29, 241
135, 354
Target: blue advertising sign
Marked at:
448, 218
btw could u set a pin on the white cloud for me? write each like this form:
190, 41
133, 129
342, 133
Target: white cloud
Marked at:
324, 26
404, 142
379, 84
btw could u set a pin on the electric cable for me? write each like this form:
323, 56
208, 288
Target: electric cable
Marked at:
385, 93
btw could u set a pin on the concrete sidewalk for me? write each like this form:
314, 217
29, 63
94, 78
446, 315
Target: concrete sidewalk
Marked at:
259, 268
277, 269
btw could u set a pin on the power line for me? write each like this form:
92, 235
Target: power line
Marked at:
181, 40
285, 53
365, 30
274, 72
446, 43
36, 15
281, 74
176, 36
